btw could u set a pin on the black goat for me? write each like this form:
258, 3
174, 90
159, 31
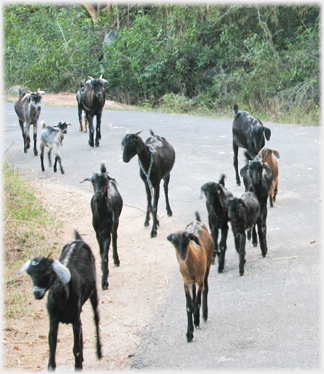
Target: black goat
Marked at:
243, 214
71, 281
216, 194
52, 138
80, 109
248, 133
194, 250
106, 206
93, 100
259, 176
28, 108
156, 159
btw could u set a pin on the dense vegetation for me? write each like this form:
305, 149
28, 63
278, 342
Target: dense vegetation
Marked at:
185, 57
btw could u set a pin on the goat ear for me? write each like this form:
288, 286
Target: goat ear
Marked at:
244, 170
194, 238
61, 271
87, 179
267, 133
24, 267
276, 153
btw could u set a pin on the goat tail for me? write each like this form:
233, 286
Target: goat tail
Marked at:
43, 124
235, 109
198, 217
77, 236
103, 168
222, 180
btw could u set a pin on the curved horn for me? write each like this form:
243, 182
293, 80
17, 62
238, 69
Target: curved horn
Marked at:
61, 271
137, 133
24, 267
100, 76
90, 77
49, 254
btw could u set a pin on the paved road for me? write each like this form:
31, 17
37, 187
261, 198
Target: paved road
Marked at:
267, 319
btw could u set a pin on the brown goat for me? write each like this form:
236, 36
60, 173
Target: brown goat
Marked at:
268, 159
194, 250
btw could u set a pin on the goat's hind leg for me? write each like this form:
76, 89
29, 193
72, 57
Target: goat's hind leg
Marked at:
78, 344
94, 303
149, 204
235, 163
154, 211
35, 139
114, 245
222, 248
205, 295
166, 193
42, 156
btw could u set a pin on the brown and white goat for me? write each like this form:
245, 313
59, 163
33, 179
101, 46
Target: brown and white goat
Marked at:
194, 250
267, 158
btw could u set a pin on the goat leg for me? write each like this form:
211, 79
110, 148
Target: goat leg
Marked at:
154, 211
166, 190
42, 156
242, 241
235, 149
205, 295
94, 303
52, 340
197, 305
35, 139
189, 305
114, 245
149, 204
98, 133
214, 234
90, 121
222, 248
105, 264
78, 344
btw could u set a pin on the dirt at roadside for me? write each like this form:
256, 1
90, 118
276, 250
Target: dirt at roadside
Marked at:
136, 289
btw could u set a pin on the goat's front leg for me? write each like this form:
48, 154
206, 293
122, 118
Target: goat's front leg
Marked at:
262, 231
98, 132
42, 156
27, 138
35, 139
105, 264
78, 344
52, 341
23, 131
242, 242
166, 193
235, 163
90, 122
154, 211
80, 118
58, 159
149, 204
190, 310
214, 234
222, 248
197, 305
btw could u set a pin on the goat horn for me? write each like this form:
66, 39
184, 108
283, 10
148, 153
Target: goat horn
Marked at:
30, 91
90, 77
24, 267
137, 133
100, 76
61, 271
49, 254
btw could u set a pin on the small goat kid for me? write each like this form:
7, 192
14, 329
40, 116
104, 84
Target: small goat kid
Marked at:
216, 194
248, 133
70, 282
156, 159
194, 250
28, 108
243, 214
52, 138
93, 100
106, 206
80, 110
266, 155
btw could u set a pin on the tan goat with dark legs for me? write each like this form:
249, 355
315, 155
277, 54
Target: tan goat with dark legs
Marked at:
194, 250
267, 158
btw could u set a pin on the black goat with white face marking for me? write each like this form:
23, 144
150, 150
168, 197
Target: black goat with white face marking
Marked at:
71, 281
28, 109
216, 194
92, 102
259, 176
248, 133
106, 206
156, 159
52, 137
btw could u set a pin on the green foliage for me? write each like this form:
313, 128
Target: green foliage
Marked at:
206, 56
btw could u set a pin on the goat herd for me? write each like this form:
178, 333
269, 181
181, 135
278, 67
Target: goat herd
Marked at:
71, 281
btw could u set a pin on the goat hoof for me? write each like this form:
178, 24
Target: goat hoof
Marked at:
153, 234
189, 338
104, 286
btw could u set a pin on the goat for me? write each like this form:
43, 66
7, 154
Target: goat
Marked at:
194, 250
80, 109
216, 194
248, 133
156, 159
28, 108
52, 138
93, 100
106, 206
259, 176
243, 214
70, 282
268, 159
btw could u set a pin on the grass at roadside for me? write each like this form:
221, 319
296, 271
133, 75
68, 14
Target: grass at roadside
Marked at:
28, 230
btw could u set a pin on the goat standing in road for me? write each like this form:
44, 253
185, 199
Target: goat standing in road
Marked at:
28, 108
156, 159
248, 133
81, 109
93, 100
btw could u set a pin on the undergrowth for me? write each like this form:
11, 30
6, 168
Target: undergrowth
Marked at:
28, 230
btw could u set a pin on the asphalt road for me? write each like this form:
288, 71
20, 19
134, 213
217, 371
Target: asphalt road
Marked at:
267, 319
